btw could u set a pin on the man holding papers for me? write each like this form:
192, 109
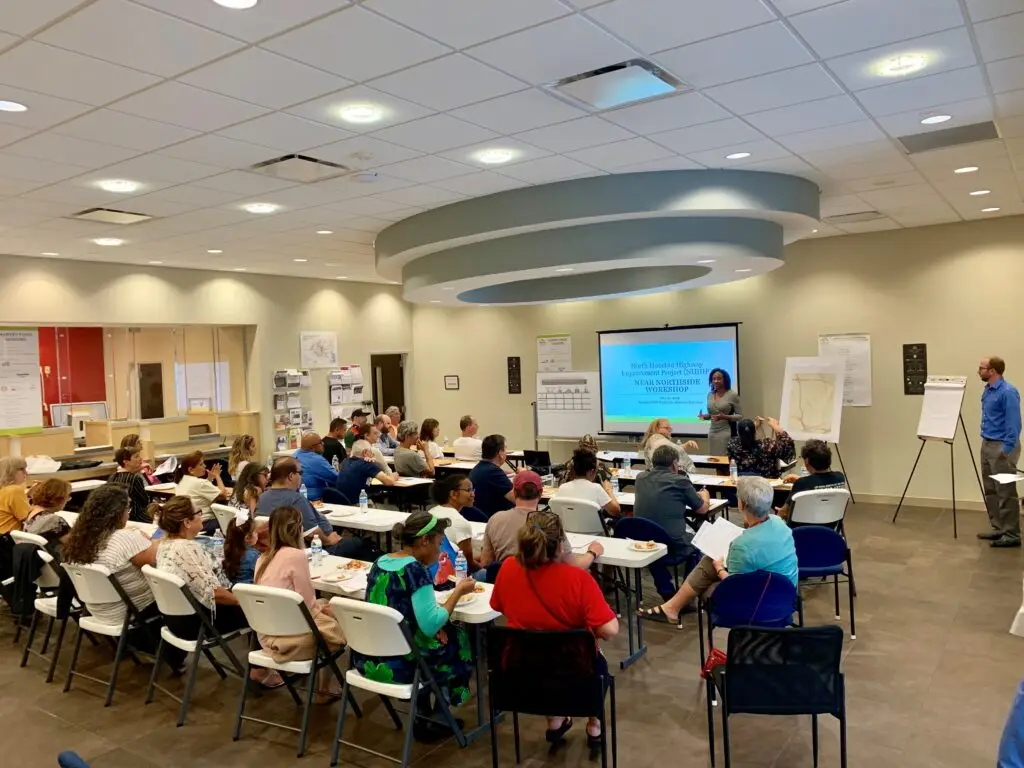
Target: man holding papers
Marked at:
1000, 450
765, 543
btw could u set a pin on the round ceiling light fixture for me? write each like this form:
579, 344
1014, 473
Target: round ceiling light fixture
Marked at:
237, 5
261, 207
12, 106
737, 156
936, 119
494, 156
360, 113
118, 186
902, 65
109, 242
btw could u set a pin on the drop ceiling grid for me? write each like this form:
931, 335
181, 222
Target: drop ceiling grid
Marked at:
807, 109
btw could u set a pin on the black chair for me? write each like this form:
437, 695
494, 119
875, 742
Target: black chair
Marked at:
782, 672
548, 673
822, 552
225, 475
473, 515
334, 496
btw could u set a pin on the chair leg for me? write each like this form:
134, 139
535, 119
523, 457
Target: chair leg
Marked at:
122, 644
216, 664
241, 700
515, 733
307, 708
494, 727
407, 747
604, 739
842, 735
74, 659
46, 637
708, 684
814, 739
853, 621
612, 718
31, 637
835, 588
340, 727
56, 650
291, 689
849, 572
725, 736
391, 712
190, 684
151, 691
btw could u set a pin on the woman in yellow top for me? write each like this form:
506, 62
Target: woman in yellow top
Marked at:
14, 504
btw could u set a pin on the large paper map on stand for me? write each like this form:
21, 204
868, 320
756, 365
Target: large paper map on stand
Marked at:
812, 398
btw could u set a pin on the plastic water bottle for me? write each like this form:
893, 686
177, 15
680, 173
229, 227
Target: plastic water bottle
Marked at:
734, 472
364, 501
218, 548
303, 491
615, 485
270, 461
335, 463
316, 550
461, 567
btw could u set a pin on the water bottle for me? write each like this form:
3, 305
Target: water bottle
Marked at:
364, 501
218, 548
461, 567
734, 472
316, 550
335, 463
615, 485
270, 461
803, 470
303, 491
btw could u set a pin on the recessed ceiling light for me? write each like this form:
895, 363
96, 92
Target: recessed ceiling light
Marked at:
237, 5
341, 277
743, 270
109, 241
990, 210
360, 113
239, 269
966, 169
300, 261
122, 186
706, 261
447, 288
261, 207
215, 250
49, 253
980, 192
936, 119
737, 156
12, 106
156, 262
564, 269
324, 232
904, 64
494, 156
814, 231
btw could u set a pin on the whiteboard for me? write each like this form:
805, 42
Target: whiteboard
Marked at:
568, 404
940, 410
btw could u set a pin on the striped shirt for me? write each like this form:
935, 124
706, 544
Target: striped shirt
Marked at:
134, 483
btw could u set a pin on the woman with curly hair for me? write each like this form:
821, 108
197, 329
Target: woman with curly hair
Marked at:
243, 451
49, 498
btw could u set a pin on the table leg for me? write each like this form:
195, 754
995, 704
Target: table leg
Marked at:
482, 719
636, 649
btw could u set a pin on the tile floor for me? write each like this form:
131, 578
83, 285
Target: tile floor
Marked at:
930, 678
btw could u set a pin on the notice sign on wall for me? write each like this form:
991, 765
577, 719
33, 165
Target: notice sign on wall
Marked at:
21, 394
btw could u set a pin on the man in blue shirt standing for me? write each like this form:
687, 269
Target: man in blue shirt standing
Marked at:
317, 474
1000, 450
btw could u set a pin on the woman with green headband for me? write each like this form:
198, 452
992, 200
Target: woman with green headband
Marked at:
401, 581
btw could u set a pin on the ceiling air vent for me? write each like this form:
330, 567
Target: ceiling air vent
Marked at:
110, 216
301, 169
854, 218
949, 137
619, 84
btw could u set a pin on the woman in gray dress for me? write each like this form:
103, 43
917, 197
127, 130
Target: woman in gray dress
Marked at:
723, 410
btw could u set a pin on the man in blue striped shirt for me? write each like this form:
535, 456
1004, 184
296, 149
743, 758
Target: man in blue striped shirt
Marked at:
1000, 450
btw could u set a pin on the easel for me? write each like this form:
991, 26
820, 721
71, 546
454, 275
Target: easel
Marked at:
952, 472
848, 486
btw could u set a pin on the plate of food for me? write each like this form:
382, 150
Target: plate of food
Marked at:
353, 565
317, 504
643, 546
342, 513
466, 599
335, 578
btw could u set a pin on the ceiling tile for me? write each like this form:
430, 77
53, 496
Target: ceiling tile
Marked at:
431, 84
427, 169
364, 152
654, 25
461, 23
393, 110
191, 195
23, 18
678, 111
32, 169
43, 111
12, 133
834, 110
1011, 127
900, 197
861, 227
1001, 38
284, 132
220, 151
1006, 75
356, 44
674, 163
747, 53
43, 68
479, 184
68, 149
1010, 103
762, 150
793, 7
157, 43
855, 25
981, 10
575, 134
873, 183
923, 216
522, 152
779, 89
609, 157
255, 23
156, 168
697, 138
422, 195
369, 206
123, 130
190, 107
435, 134
554, 50
962, 112
519, 112
787, 164
925, 92
264, 78
820, 139
362, 223
870, 168
946, 51
554, 168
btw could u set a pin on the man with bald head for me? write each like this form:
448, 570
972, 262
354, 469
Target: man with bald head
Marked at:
1000, 450
317, 473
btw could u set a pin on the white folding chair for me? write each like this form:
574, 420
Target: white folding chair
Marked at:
578, 515
381, 632
94, 584
821, 507
274, 611
174, 598
224, 515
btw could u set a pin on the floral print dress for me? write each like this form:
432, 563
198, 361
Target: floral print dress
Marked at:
763, 459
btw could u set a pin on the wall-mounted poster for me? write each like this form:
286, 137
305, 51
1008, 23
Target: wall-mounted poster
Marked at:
21, 394
319, 349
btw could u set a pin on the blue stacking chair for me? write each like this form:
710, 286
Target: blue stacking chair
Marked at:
822, 552
473, 515
334, 496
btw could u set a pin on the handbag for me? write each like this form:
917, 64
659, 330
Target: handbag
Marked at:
716, 656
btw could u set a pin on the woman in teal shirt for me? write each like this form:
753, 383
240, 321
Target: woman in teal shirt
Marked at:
401, 581
765, 545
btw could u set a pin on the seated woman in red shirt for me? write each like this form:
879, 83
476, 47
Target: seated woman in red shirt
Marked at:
537, 590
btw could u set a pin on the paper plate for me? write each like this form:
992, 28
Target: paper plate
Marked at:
642, 546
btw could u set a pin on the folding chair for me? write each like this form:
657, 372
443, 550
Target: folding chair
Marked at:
578, 515
96, 584
47, 605
224, 515
548, 673
381, 632
274, 611
821, 552
782, 672
822, 507
174, 598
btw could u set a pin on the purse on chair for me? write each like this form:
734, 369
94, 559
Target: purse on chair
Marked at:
716, 656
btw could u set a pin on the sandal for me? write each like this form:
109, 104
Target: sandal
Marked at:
555, 735
657, 614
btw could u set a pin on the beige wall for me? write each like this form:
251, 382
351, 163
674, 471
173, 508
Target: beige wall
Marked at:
367, 318
955, 287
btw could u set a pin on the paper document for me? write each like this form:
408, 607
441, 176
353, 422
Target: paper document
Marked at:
1008, 477
714, 540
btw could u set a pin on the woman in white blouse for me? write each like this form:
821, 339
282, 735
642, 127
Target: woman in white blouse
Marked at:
659, 433
429, 430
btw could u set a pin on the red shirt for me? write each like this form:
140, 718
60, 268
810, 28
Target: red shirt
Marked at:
562, 597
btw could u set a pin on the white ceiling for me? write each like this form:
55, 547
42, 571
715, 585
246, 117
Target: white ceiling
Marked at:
182, 95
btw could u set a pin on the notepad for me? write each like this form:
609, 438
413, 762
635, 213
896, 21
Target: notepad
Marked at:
715, 539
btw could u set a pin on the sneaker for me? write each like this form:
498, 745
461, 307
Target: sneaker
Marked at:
1005, 542
990, 535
